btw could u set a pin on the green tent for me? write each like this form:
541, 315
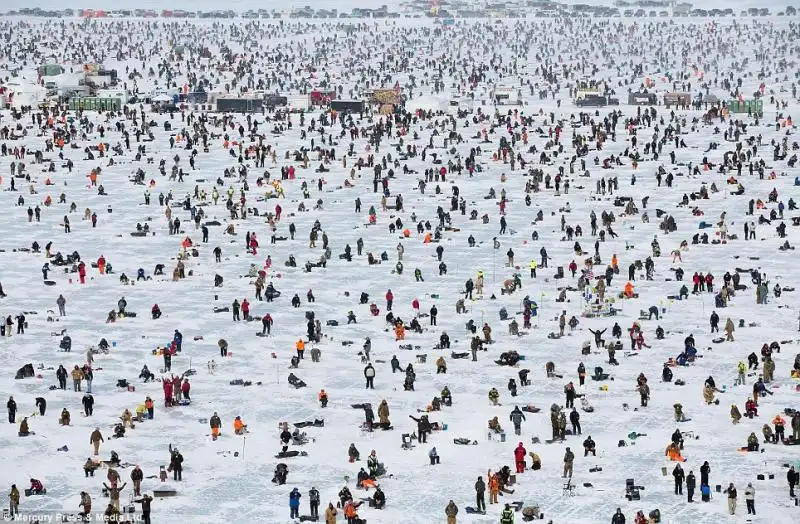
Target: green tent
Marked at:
50, 70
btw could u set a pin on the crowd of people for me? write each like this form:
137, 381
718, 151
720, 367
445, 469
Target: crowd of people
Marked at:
483, 247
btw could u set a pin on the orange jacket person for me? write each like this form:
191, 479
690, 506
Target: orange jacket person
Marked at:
239, 427
629, 290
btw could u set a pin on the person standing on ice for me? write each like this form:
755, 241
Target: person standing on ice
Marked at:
519, 458
313, 500
389, 300
178, 339
750, 499
330, 514
451, 511
691, 482
95, 439
235, 310
11, 405
369, 374
176, 463
61, 302
569, 458
729, 329
294, 503
731, 492
516, 418
679, 476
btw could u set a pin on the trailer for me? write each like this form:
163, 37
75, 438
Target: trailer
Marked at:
642, 99
239, 104
677, 99
348, 106
100, 77
194, 97
586, 88
594, 100
298, 102
122, 94
320, 97
272, 101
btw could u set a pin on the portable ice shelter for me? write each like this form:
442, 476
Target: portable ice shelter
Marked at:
25, 371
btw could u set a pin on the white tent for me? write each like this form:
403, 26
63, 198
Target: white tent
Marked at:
25, 94
426, 103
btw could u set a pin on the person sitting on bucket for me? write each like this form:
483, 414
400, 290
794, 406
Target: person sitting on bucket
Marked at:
36, 487
239, 427
23, 428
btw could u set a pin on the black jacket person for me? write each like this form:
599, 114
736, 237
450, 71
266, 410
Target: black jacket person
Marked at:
480, 489
423, 427
679, 475
516, 417
176, 463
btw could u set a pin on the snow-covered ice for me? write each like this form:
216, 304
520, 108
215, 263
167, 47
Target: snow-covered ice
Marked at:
229, 479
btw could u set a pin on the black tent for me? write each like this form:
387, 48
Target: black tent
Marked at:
25, 371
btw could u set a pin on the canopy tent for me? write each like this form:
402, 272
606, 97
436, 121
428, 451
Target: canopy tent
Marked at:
426, 103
